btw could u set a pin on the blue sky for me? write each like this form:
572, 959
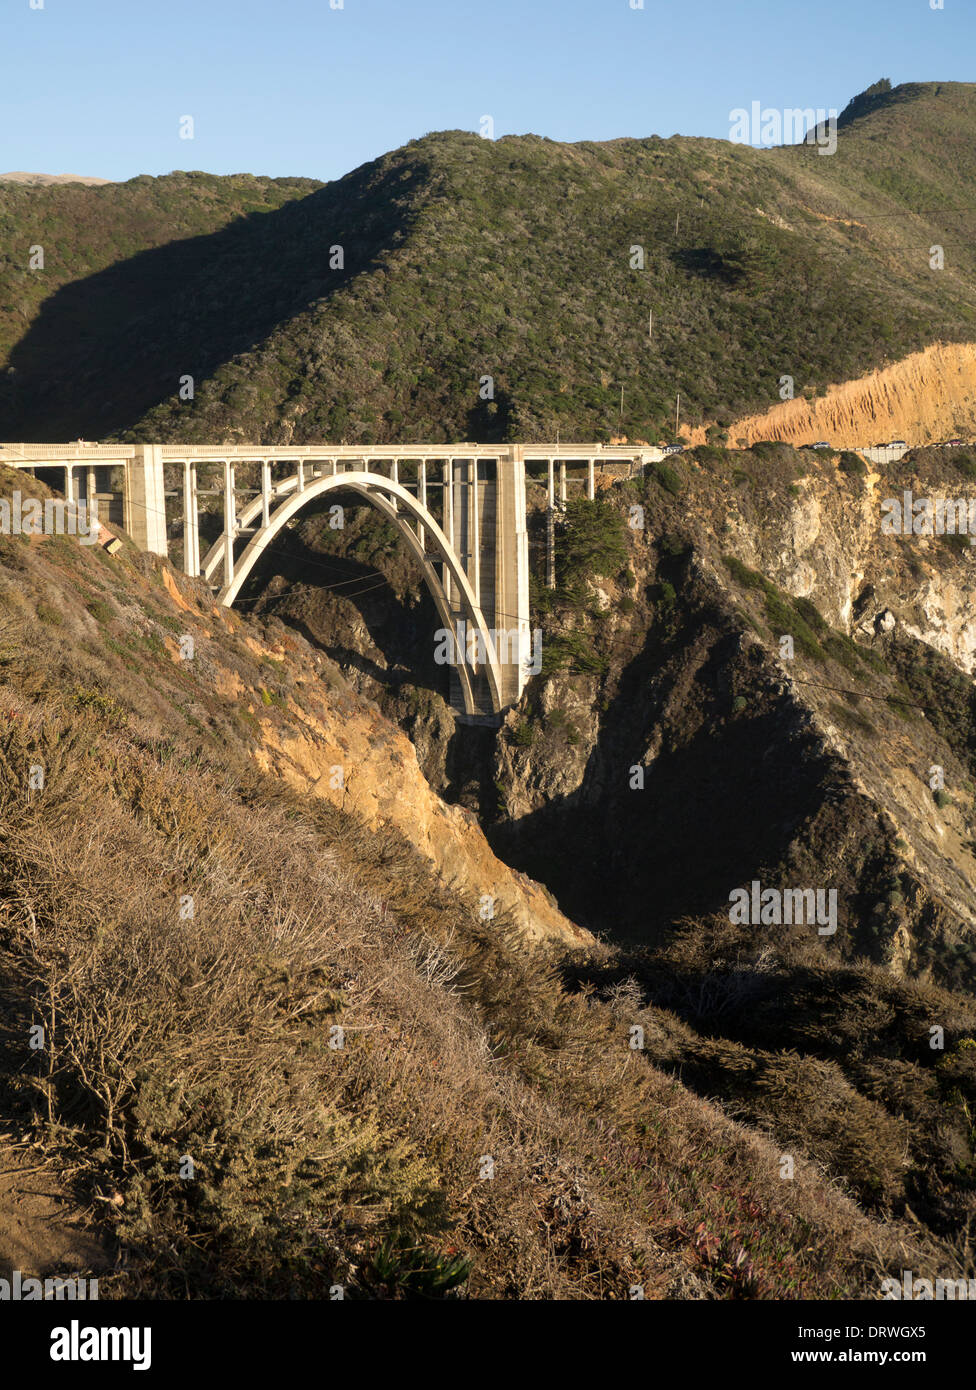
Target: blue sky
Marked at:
295, 87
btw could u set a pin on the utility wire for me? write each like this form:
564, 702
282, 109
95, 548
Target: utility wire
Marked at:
864, 694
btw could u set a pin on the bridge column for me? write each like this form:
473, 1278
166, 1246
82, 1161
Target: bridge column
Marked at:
474, 533
90, 490
265, 491
552, 485
449, 519
301, 475
422, 498
511, 575
523, 609
144, 500
562, 482
191, 521
394, 478
230, 522
590, 480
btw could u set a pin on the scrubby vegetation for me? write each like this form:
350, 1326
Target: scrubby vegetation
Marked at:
591, 546
852, 1077
753, 261
115, 253
192, 1079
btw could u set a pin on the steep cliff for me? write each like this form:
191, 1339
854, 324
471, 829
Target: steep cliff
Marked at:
923, 399
758, 758
746, 681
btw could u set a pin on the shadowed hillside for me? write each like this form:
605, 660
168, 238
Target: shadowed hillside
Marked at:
465, 258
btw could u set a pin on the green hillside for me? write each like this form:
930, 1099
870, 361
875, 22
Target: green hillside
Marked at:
465, 258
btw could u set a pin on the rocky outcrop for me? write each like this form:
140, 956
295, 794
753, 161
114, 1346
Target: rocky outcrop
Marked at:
327, 742
704, 757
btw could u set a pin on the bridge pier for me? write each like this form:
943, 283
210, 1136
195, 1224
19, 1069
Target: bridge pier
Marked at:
266, 490
448, 516
474, 532
191, 521
230, 518
144, 499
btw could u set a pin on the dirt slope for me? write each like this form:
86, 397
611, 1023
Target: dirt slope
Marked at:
42, 180
925, 398
42, 1230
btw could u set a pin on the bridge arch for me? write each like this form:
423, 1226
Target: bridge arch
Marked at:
381, 492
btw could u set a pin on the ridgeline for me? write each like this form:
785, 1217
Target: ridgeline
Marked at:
463, 258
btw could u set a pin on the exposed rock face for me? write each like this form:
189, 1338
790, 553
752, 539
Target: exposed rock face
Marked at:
331, 744
826, 544
925, 398
813, 769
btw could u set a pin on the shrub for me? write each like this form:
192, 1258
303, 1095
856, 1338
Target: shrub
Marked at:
667, 478
49, 614
101, 612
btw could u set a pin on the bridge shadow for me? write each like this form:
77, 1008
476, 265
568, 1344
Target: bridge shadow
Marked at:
105, 349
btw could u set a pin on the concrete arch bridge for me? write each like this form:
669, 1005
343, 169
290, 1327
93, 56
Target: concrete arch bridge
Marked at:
460, 508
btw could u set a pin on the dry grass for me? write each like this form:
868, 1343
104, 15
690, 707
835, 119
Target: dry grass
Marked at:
170, 1037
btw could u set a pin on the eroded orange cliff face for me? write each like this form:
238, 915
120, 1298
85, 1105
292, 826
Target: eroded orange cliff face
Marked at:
927, 397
